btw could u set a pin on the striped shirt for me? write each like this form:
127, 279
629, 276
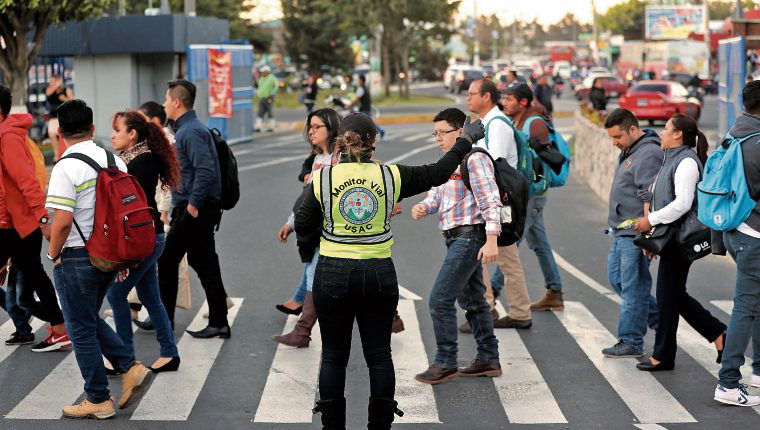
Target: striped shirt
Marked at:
456, 206
72, 188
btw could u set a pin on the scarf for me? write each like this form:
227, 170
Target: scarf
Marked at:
133, 151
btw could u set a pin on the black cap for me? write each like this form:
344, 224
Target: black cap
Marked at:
521, 91
359, 123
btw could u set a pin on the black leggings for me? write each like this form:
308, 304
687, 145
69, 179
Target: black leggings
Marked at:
365, 290
673, 300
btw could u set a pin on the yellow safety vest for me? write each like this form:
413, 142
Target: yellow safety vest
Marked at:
357, 201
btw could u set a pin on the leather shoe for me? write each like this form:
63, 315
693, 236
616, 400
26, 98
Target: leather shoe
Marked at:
481, 368
648, 366
209, 332
146, 325
508, 322
437, 374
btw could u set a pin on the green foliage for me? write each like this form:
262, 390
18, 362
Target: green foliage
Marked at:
52, 11
625, 18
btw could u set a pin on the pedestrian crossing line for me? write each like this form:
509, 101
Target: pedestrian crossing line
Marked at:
407, 294
291, 386
7, 329
416, 137
410, 153
271, 162
63, 384
172, 395
409, 358
524, 393
649, 427
599, 288
647, 399
726, 306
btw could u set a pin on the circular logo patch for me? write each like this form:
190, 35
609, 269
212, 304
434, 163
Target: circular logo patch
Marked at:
358, 206
697, 248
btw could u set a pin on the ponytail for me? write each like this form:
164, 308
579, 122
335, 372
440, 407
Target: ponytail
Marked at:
352, 145
692, 136
702, 147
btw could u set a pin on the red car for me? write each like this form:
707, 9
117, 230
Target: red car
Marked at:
613, 86
659, 100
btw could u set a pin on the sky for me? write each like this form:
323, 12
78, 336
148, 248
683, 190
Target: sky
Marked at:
547, 11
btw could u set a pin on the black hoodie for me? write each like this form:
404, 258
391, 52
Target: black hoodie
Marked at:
745, 125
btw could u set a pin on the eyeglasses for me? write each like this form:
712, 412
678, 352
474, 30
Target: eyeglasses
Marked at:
442, 133
315, 127
470, 95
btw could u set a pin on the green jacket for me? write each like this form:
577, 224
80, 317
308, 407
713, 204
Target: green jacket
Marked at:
267, 86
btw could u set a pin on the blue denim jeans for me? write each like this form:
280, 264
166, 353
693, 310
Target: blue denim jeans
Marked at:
535, 235
461, 280
628, 272
9, 301
307, 279
144, 278
81, 289
745, 318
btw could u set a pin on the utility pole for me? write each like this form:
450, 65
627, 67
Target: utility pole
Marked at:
596, 33
708, 39
476, 58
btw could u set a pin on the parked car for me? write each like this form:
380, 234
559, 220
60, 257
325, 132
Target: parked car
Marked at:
463, 78
613, 86
659, 100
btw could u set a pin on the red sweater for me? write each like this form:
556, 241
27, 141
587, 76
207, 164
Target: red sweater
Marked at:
23, 202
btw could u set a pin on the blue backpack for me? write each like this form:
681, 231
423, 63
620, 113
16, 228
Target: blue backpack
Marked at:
537, 183
723, 196
555, 179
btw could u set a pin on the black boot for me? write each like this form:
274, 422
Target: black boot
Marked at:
333, 413
381, 413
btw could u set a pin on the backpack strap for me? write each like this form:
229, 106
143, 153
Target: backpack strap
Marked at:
499, 117
463, 168
92, 163
110, 159
526, 125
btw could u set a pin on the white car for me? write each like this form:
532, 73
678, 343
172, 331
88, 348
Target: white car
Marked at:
599, 70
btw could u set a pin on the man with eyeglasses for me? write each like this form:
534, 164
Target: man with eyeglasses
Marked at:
469, 220
499, 141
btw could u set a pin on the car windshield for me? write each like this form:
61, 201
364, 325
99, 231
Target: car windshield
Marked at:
650, 88
473, 74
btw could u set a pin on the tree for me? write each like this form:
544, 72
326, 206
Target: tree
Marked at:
23, 25
625, 18
722, 9
313, 35
568, 28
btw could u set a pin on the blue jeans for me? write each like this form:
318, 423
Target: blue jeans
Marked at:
9, 301
144, 279
81, 289
307, 279
497, 280
461, 280
745, 318
628, 272
535, 235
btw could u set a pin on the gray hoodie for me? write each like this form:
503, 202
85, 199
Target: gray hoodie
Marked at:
745, 125
636, 170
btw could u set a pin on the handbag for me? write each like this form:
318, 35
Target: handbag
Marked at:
696, 245
656, 239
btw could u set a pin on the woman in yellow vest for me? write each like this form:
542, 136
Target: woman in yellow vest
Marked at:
352, 202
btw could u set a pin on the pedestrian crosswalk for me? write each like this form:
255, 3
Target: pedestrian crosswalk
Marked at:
526, 395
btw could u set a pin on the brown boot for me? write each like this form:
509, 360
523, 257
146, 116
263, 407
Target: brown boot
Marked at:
398, 324
301, 334
551, 301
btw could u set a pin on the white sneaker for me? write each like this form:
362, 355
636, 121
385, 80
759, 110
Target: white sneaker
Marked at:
230, 304
736, 396
754, 381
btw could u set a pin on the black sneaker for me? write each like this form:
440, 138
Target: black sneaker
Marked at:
17, 339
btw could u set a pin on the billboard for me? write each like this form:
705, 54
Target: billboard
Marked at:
674, 22
219, 84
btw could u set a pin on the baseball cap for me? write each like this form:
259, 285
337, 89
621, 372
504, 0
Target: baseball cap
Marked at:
265, 69
520, 90
359, 123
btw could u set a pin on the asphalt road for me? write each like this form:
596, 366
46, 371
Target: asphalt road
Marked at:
555, 376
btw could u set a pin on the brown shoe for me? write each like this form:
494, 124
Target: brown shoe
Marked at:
465, 327
398, 324
131, 382
551, 301
87, 409
481, 368
301, 334
436, 375
508, 322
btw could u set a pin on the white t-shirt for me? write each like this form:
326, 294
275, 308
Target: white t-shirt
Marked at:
684, 183
72, 188
749, 231
501, 138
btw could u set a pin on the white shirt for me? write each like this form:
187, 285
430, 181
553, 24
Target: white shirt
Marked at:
749, 231
501, 138
72, 188
685, 182
321, 160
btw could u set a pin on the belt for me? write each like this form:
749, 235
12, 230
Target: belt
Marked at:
458, 231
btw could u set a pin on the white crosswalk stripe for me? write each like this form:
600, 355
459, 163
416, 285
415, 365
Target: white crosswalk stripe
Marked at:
5, 333
649, 401
172, 395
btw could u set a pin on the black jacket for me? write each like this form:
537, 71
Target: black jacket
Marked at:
598, 99
145, 168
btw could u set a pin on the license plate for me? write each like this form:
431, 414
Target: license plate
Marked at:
641, 102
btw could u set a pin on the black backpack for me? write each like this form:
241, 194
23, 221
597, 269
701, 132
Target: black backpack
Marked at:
228, 169
513, 193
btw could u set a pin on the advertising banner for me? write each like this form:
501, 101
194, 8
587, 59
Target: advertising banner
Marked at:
219, 84
674, 22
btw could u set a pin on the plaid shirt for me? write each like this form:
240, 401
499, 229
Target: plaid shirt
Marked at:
456, 206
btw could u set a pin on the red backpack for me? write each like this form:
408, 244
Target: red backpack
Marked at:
123, 232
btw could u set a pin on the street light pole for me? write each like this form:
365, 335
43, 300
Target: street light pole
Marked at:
476, 59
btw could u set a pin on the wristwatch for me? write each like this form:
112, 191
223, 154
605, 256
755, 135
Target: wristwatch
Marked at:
49, 257
44, 220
